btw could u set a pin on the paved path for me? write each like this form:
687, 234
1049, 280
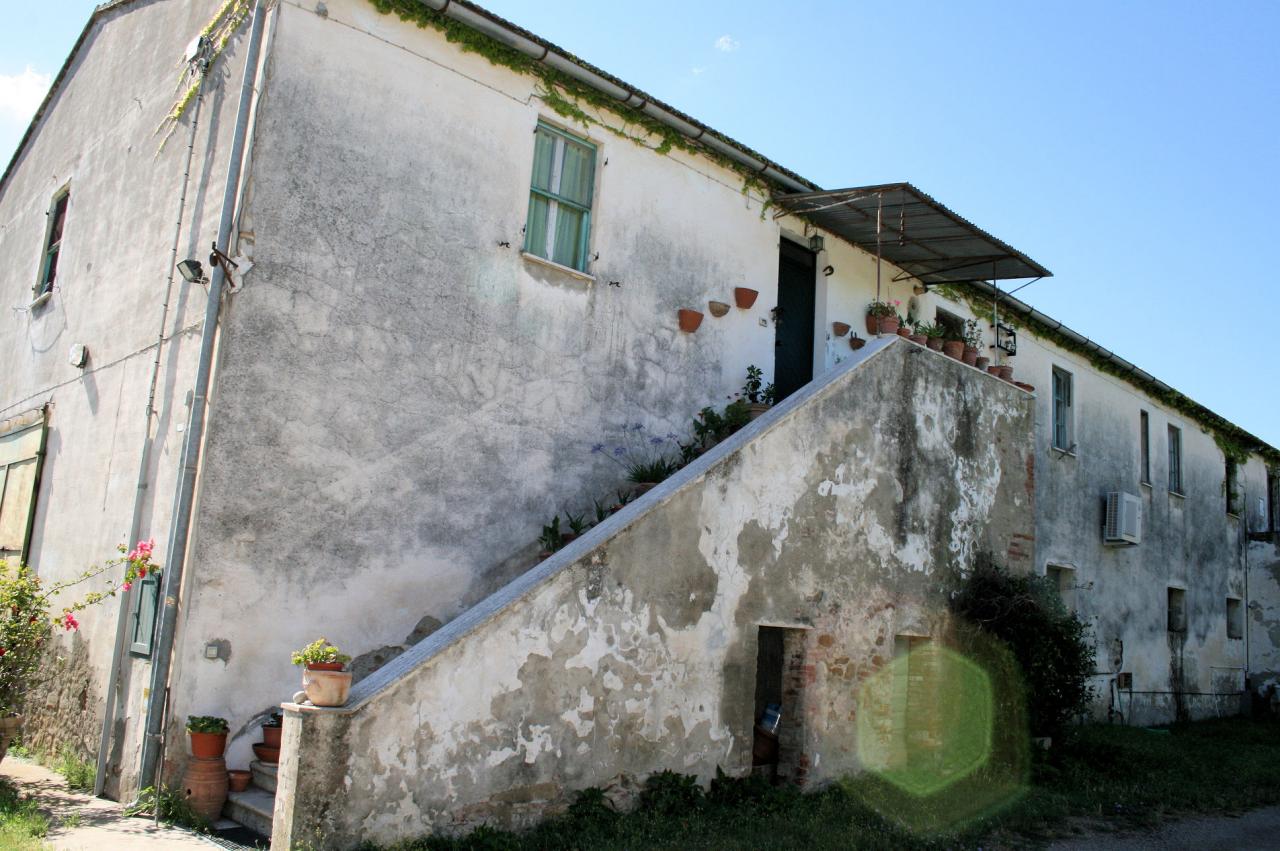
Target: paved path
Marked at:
99, 825
1256, 829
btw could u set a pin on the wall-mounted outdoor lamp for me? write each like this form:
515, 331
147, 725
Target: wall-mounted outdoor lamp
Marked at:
817, 243
192, 271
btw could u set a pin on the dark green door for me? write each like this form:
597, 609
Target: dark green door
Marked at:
794, 318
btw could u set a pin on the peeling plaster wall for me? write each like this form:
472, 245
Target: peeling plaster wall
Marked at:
98, 135
634, 649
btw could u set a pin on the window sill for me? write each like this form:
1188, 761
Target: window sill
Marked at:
1178, 494
1146, 485
1062, 453
551, 264
40, 300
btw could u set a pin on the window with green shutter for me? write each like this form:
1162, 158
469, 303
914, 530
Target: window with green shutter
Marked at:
53, 241
146, 596
559, 225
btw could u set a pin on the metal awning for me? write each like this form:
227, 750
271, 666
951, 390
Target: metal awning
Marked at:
917, 234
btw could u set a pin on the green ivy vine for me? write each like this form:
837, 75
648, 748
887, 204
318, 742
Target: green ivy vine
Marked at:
1236, 444
218, 30
566, 96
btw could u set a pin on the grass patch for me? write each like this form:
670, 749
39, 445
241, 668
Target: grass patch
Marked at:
1126, 776
22, 825
79, 773
172, 805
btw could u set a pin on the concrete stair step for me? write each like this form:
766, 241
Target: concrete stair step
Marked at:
252, 808
264, 775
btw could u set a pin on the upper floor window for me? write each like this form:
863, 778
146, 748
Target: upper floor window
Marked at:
1063, 425
1232, 486
53, 242
1273, 500
559, 224
1144, 448
1175, 459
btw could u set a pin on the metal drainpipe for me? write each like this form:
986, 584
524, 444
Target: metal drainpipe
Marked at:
135, 524
175, 555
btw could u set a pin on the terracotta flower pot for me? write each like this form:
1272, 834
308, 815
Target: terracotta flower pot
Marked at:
887, 325
208, 745
567, 537
755, 409
993, 370
205, 783
239, 778
970, 356
904, 331
871, 324
1006, 372
840, 328
267, 754
717, 308
982, 363
856, 342
935, 343
744, 297
271, 736
324, 666
326, 688
1024, 386
689, 320
953, 349
919, 339
642, 488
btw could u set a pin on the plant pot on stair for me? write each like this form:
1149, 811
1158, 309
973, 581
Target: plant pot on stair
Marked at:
208, 736
323, 679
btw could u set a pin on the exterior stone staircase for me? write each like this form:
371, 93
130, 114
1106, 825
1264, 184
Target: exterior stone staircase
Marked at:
253, 807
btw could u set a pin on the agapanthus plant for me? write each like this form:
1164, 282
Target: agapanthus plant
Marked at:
646, 457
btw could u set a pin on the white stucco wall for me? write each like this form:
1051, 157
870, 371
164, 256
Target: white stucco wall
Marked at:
98, 136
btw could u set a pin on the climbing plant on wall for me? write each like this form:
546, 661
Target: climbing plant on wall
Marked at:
219, 30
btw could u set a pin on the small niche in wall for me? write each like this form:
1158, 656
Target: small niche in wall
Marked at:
1177, 606
1235, 618
1063, 578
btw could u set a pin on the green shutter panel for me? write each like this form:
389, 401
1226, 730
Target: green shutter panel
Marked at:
146, 597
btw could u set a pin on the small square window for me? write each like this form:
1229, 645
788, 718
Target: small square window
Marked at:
1144, 448
1063, 579
1177, 605
560, 195
1235, 618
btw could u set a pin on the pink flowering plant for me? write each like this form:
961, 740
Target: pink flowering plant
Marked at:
884, 308
25, 624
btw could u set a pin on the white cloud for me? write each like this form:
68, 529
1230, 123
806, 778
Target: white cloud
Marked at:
21, 94
727, 43
697, 70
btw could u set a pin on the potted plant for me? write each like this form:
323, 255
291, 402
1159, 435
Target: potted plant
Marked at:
953, 343
208, 736
551, 539
917, 334
323, 679
882, 317
647, 458
271, 730
934, 335
982, 362
972, 342
577, 525
758, 399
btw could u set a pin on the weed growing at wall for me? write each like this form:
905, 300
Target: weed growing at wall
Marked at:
218, 30
22, 825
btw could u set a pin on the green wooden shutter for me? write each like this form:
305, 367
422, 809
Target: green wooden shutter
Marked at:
146, 597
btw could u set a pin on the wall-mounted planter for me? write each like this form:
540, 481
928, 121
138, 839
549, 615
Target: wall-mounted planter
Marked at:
840, 328
717, 308
744, 297
690, 320
856, 342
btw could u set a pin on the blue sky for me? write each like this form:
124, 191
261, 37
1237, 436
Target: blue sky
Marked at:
1132, 148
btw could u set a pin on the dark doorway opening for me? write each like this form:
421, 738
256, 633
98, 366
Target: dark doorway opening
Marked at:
794, 319
779, 734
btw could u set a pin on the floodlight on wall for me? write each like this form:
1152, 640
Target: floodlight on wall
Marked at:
191, 271
817, 243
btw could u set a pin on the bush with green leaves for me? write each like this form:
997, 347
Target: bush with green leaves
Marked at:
1050, 644
207, 724
319, 652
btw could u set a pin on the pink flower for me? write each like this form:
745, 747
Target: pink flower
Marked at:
69, 621
142, 572
126, 586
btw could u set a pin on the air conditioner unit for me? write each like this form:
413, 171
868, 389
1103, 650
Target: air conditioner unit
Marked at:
1123, 525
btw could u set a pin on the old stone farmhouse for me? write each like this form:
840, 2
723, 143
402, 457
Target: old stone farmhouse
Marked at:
460, 259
